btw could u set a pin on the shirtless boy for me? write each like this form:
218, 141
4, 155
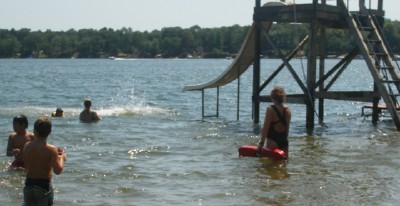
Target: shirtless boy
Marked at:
17, 139
88, 115
41, 160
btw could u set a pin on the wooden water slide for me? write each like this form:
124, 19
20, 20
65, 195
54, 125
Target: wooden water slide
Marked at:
242, 61
239, 65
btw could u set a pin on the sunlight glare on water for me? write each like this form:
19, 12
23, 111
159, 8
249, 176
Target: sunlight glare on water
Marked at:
153, 148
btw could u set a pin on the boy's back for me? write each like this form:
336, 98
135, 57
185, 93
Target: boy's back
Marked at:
41, 159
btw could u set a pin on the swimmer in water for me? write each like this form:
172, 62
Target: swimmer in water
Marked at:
18, 139
88, 115
58, 113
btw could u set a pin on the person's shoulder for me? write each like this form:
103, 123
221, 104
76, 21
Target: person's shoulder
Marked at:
95, 112
30, 135
82, 114
51, 148
96, 115
11, 138
18, 137
27, 146
287, 110
12, 135
271, 107
286, 107
270, 110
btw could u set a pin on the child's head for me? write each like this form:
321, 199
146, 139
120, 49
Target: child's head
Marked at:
59, 112
278, 94
42, 127
87, 103
21, 120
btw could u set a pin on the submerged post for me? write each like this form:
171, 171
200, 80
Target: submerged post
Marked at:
311, 69
256, 68
322, 55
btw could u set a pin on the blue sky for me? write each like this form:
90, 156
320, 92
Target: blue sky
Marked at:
144, 15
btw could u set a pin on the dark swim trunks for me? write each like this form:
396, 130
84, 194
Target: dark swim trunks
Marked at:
38, 192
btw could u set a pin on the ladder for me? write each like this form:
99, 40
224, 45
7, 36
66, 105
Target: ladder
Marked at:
380, 63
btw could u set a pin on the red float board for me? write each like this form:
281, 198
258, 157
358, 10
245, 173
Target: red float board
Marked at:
251, 151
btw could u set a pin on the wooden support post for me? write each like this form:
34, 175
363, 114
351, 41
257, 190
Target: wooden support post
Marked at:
361, 3
256, 69
380, 5
217, 112
238, 98
311, 70
375, 109
202, 103
322, 55
363, 9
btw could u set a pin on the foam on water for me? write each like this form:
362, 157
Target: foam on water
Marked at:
70, 112
131, 110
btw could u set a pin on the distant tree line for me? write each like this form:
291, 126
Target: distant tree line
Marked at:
166, 43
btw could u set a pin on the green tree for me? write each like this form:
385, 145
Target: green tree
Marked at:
391, 32
170, 41
33, 44
9, 47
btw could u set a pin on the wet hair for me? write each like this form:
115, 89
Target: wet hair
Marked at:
59, 113
87, 103
21, 120
42, 126
278, 94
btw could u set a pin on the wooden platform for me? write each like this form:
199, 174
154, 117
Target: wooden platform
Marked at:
381, 107
329, 15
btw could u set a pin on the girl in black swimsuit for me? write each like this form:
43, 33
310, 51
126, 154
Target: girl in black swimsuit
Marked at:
276, 122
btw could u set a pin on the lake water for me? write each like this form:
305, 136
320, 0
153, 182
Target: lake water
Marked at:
153, 147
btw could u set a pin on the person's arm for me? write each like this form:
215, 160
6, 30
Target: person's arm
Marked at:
267, 124
57, 160
96, 116
288, 118
81, 116
23, 154
10, 152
